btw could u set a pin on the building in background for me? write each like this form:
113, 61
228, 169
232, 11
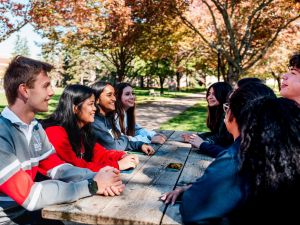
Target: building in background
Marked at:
3, 65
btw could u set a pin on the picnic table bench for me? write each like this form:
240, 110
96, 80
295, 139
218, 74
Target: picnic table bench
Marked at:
139, 203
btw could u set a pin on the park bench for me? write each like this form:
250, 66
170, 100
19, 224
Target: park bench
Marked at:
153, 93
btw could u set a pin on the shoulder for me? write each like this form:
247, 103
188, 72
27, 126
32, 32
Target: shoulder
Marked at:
99, 119
56, 130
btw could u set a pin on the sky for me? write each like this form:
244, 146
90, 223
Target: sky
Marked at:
7, 46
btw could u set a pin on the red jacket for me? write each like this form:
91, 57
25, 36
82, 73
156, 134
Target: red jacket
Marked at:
101, 156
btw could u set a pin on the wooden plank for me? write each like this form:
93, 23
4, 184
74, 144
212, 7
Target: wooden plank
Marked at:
176, 136
194, 168
139, 204
167, 133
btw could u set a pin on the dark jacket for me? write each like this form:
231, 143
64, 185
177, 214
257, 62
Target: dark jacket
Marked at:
214, 143
102, 129
223, 195
217, 193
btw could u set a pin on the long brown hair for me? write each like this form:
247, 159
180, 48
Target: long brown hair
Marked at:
120, 111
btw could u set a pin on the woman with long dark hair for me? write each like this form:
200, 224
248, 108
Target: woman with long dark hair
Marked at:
69, 130
125, 117
105, 128
216, 96
256, 178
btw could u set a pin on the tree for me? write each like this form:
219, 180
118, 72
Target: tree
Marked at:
21, 47
275, 62
13, 16
110, 28
243, 31
72, 64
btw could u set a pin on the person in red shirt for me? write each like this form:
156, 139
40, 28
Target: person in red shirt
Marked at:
69, 131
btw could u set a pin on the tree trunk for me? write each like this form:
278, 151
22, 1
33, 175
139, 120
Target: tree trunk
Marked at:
277, 78
142, 82
120, 74
178, 77
161, 82
233, 74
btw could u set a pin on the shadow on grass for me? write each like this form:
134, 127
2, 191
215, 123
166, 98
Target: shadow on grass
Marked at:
193, 119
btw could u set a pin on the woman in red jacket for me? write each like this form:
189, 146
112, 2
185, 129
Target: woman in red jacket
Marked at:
69, 130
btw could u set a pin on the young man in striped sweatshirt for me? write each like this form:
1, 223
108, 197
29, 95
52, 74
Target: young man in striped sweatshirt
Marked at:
25, 150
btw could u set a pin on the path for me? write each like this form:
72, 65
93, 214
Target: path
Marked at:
151, 114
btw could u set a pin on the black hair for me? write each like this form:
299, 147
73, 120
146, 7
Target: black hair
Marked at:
270, 146
245, 94
215, 113
295, 61
248, 80
74, 95
120, 111
98, 88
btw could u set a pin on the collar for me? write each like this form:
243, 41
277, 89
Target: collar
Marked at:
13, 118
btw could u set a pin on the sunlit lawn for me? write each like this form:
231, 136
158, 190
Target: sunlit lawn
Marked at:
193, 119
142, 95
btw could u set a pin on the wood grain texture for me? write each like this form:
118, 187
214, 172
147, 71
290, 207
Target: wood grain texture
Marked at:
193, 169
139, 203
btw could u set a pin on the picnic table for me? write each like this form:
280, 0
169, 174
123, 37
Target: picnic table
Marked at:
139, 203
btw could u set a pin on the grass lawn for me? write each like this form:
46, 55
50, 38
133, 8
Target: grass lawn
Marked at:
142, 95
193, 119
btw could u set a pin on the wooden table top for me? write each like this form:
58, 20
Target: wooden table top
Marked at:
139, 203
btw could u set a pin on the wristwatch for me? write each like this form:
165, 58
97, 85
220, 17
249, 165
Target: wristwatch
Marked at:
93, 186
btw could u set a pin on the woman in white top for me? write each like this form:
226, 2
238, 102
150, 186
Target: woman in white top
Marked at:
125, 107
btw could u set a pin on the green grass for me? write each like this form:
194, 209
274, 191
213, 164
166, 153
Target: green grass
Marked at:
142, 95
3, 101
193, 119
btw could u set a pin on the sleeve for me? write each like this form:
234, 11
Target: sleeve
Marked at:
106, 157
222, 137
134, 146
59, 138
19, 185
140, 138
105, 139
140, 131
213, 195
211, 149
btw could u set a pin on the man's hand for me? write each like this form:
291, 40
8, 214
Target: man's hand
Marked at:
128, 161
158, 139
109, 177
148, 149
114, 190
